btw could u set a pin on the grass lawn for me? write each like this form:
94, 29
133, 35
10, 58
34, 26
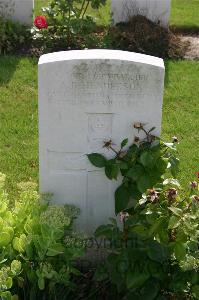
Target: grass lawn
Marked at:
184, 13
18, 117
180, 113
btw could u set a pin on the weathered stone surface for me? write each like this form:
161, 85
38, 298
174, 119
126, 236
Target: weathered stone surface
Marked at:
85, 98
17, 10
155, 10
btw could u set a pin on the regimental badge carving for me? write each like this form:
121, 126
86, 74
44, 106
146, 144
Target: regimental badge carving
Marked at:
99, 129
99, 125
7, 8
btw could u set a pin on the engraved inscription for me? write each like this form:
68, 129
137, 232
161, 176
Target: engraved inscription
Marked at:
102, 80
101, 84
7, 8
104, 85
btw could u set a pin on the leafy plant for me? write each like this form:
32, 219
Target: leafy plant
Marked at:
68, 21
155, 253
13, 36
34, 257
141, 165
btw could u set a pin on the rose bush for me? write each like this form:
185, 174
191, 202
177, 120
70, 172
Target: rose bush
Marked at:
67, 24
155, 254
142, 166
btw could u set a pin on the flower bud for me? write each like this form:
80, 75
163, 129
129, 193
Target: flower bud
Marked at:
172, 193
123, 216
195, 199
193, 185
108, 144
136, 140
152, 195
138, 125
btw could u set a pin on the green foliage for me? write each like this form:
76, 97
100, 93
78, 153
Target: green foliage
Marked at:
141, 165
13, 36
68, 22
97, 160
34, 254
154, 254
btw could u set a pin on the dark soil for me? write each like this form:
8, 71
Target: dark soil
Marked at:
143, 36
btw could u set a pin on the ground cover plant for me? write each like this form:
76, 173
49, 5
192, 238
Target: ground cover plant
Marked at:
35, 261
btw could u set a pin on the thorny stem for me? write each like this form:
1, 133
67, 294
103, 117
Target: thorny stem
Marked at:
87, 4
125, 235
81, 10
117, 153
147, 134
69, 17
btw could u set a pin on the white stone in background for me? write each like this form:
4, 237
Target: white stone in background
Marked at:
86, 97
154, 10
18, 10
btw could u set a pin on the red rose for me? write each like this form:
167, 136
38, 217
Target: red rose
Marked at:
197, 175
40, 22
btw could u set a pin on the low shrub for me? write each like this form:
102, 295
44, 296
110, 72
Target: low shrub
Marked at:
13, 37
155, 253
35, 262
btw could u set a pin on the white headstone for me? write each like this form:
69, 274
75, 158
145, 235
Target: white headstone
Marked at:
17, 10
157, 11
85, 98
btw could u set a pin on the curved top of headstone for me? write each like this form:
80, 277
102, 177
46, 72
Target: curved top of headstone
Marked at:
101, 54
